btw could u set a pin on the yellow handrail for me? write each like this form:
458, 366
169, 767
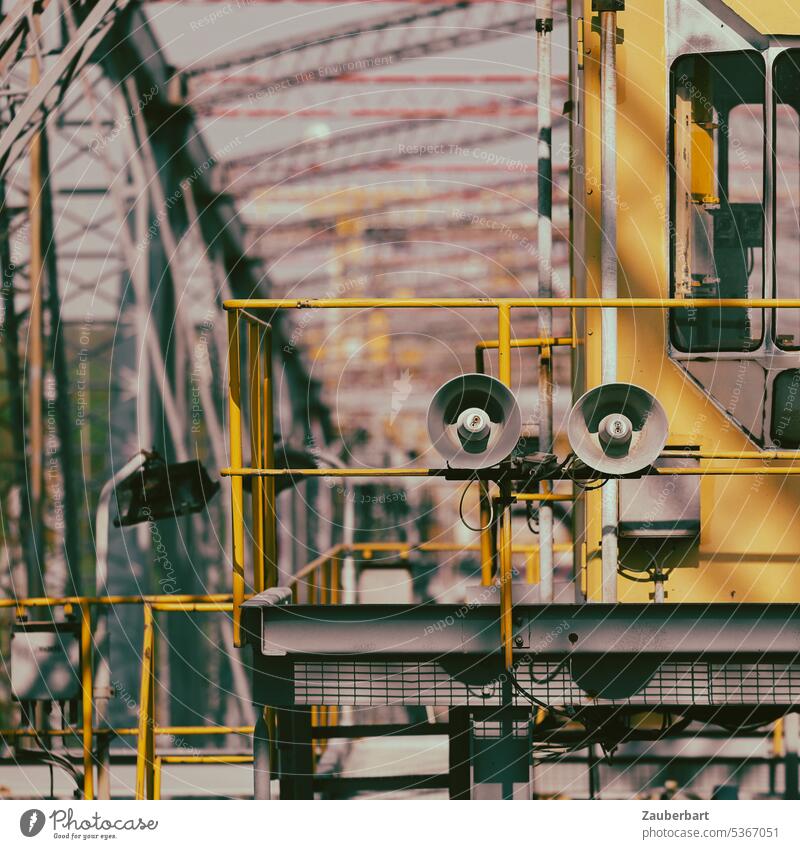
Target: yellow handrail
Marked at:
519, 303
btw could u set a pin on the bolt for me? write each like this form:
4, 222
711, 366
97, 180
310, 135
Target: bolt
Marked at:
518, 641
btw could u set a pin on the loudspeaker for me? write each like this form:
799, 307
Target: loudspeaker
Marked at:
617, 429
474, 421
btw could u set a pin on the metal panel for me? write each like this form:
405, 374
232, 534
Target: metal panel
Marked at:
661, 507
45, 661
674, 684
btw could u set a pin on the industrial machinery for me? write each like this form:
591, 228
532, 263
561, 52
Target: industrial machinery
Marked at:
634, 547
517, 676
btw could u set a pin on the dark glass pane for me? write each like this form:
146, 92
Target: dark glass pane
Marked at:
717, 179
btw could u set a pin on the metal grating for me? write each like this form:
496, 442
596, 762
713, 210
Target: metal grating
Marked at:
675, 683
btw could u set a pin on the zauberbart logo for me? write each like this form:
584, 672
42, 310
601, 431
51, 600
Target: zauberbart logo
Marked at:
31, 822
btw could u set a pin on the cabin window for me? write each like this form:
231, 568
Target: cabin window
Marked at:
785, 420
717, 199
787, 195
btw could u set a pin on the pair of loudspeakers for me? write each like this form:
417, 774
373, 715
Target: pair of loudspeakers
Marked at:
474, 422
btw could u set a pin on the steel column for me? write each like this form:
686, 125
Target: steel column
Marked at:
608, 274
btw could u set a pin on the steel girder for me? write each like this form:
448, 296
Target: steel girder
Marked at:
553, 631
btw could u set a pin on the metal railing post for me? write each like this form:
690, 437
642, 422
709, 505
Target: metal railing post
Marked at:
506, 573
270, 516
237, 498
87, 687
145, 741
256, 452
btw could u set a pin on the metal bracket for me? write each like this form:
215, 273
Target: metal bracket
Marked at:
608, 5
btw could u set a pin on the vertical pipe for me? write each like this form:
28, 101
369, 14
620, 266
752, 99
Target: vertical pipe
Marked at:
608, 275
87, 685
485, 504
486, 534
506, 576
349, 574
544, 28
270, 516
262, 761
254, 394
504, 344
103, 689
235, 428
36, 358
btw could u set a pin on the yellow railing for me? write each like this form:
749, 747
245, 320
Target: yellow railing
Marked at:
147, 782
192, 759
319, 582
86, 731
258, 312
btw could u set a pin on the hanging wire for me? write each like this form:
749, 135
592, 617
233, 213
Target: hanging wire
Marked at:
532, 515
464, 522
550, 675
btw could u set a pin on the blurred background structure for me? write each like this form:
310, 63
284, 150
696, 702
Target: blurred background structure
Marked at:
158, 158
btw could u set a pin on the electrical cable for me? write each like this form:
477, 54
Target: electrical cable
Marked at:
532, 515
550, 675
464, 522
